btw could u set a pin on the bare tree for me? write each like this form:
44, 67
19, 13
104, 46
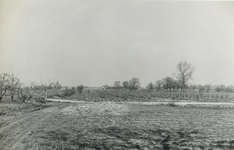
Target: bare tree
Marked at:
26, 93
159, 84
134, 84
14, 85
22, 93
192, 87
185, 72
150, 86
4, 84
126, 84
117, 84
169, 83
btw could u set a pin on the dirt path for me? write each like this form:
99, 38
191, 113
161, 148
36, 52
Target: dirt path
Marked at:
13, 134
180, 103
64, 101
16, 135
149, 103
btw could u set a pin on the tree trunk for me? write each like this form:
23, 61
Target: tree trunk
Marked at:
46, 95
183, 87
12, 97
2, 94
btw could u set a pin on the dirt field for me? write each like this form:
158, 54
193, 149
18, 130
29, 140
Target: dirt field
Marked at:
110, 125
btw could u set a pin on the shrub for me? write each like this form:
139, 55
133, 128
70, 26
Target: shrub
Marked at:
125, 96
80, 88
68, 92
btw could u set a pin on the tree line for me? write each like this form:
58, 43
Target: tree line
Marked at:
180, 81
11, 85
184, 73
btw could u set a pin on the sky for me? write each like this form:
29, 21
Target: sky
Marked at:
95, 43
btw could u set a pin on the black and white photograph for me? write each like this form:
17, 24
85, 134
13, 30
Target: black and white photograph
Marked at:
116, 75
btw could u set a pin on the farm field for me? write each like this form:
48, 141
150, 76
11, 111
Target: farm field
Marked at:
114, 125
150, 96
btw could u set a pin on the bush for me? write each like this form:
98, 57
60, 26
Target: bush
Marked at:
69, 92
80, 88
125, 96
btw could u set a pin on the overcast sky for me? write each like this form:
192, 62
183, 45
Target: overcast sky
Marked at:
97, 42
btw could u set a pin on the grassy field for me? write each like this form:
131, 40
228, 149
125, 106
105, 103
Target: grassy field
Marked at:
111, 125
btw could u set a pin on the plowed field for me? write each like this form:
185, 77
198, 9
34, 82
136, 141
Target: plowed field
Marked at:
110, 125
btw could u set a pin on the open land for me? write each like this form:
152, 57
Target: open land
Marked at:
114, 125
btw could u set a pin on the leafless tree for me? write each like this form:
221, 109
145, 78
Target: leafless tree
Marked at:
169, 83
4, 84
117, 84
14, 85
22, 93
192, 87
125, 84
185, 72
134, 84
158, 85
150, 86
